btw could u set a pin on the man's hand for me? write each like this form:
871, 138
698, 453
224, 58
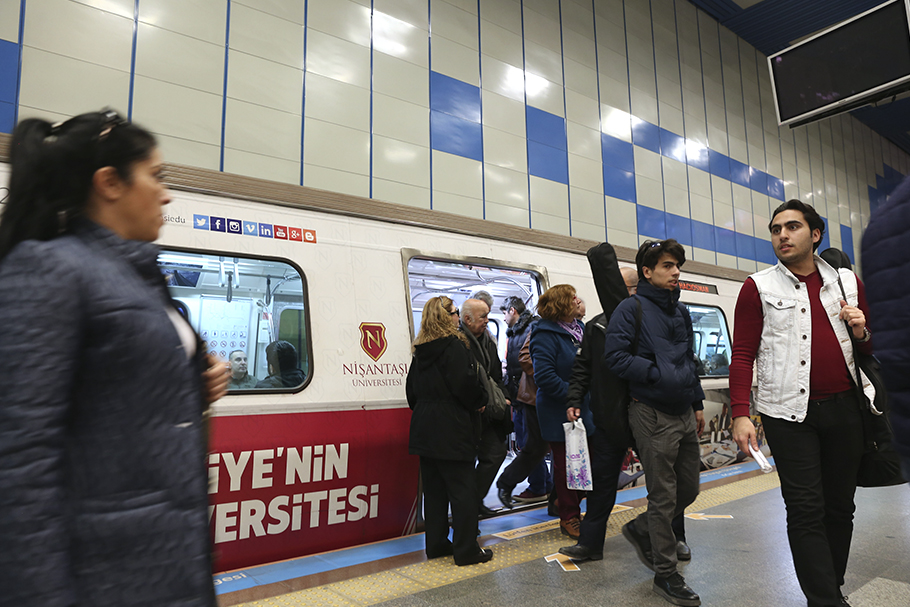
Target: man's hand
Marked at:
854, 317
699, 422
573, 413
744, 433
216, 378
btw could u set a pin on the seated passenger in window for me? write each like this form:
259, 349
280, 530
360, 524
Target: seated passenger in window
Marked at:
240, 378
283, 367
720, 365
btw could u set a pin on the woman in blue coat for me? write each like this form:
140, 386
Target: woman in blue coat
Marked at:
555, 341
103, 386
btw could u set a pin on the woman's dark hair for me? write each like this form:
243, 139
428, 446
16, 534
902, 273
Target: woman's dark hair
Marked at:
814, 220
650, 252
53, 166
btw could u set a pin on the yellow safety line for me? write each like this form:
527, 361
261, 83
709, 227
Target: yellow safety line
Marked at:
386, 585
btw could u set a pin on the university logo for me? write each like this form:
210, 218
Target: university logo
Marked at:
372, 339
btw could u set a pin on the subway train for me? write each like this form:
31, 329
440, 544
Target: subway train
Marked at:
324, 464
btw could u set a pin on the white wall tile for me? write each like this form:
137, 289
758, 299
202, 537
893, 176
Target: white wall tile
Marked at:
201, 19
546, 95
263, 167
506, 186
586, 174
550, 223
503, 114
500, 43
266, 83
400, 161
504, 13
587, 207
543, 62
590, 231
504, 79
579, 47
580, 78
56, 83
262, 130
457, 204
336, 147
675, 173
582, 110
122, 8
333, 101
290, 10
647, 163
507, 214
457, 175
333, 180
340, 18
338, 59
621, 238
584, 142
505, 150
549, 197
415, 12
192, 153
400, 39
177, 111
451, 22
266, 36
614, 93
9, 21
676, 201
172, 57
454, 59
542, 30
649, 192
621, 214
79, 32
701, 208
401, 79
401, 193
401, 120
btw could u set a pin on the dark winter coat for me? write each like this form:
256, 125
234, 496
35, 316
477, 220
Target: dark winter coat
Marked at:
287, 379
487, 356
103, 484
553, 352
517, 334
886, 264
609, 393
444, 392
663, 373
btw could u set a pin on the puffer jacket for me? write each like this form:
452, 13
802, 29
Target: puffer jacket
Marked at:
885, 267
553, 352
444, 392
516, 334
103, 485
663, 373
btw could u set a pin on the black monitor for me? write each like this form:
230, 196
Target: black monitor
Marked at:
853, 63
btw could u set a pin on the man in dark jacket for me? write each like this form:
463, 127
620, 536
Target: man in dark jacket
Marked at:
284, 370
885, 268
530, 462
665, 413
491, 449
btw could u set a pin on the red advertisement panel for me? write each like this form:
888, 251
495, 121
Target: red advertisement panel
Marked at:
289, 485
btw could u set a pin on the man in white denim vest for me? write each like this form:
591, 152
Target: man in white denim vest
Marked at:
791, 323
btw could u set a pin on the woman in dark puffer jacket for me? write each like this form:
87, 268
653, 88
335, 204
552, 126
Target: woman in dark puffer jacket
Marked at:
447, 396
103, 386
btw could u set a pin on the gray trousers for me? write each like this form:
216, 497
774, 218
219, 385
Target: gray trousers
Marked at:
668, 448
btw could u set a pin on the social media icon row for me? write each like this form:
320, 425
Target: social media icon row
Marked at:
252, 228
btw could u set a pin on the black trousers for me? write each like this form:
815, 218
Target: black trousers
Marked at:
606, 464
449, 482
531, 456
817, 461
491, 452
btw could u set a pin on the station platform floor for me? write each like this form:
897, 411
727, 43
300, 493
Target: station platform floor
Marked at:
736, 530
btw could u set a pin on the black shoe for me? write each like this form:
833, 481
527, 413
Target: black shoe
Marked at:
505, 496
641, 543
481, 557
581, 553
552, 504
683, 552
674, 589
485, 511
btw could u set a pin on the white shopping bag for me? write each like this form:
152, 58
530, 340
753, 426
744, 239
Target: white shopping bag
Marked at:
578, 468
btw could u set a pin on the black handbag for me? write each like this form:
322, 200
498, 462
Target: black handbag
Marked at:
881, 464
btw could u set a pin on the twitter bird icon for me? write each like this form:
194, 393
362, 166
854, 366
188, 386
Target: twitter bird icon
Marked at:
201, 222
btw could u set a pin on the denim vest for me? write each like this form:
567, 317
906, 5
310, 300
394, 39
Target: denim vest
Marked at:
784, 353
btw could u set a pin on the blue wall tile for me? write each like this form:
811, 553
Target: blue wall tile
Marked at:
739, 172
619, 184
680, 228
775, 187
548, 162
726, 240
617, 153
719, 164
651, 222
646, 135
9, 70
7, 117
745, 246
764, 251
703, 235
456, 135
454, 97
697, 156
758, 180
826, 241
546, 128
846, 239
672, 145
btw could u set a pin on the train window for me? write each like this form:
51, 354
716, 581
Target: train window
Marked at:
711, 341
461, 278
250, 312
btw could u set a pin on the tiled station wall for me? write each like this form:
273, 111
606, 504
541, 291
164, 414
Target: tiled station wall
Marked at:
595, 118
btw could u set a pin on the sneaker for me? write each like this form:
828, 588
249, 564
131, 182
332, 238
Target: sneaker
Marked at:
526, 497
673, 588
683, 552
641, 543
581, 553
571, 527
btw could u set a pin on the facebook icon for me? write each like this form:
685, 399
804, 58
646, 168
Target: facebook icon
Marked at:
265, 230
216, 224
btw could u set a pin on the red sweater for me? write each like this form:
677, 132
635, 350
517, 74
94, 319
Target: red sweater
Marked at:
827, 373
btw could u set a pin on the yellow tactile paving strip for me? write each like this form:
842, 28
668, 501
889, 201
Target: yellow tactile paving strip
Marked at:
386, 585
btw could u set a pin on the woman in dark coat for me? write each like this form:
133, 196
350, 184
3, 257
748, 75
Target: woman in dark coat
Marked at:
103, 386
555, 341
447, 396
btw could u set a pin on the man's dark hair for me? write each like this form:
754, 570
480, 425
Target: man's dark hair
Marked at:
282, 356
812, 217
650, 252
513, 302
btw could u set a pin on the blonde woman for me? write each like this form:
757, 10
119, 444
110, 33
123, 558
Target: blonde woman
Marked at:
446, 397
